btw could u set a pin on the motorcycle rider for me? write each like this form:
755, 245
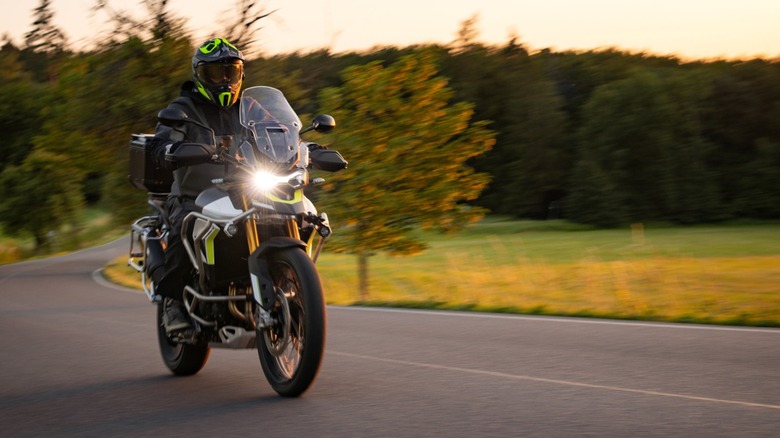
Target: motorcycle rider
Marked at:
217, 73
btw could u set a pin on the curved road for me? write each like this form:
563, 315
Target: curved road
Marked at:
79, 358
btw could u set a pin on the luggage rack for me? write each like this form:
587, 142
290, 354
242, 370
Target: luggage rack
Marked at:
141, 238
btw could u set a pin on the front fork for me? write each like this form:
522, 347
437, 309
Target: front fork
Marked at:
252, 237
259, 270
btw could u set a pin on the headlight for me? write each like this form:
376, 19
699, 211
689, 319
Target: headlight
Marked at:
266, 181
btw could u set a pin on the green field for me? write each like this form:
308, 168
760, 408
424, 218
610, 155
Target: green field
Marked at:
726, 274
715, 274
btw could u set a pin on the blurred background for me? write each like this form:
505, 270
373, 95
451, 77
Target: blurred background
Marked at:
589, 115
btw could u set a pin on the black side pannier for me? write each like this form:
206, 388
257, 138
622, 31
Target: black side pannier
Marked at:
144, 173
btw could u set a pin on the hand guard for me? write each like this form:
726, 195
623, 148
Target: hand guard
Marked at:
315, 146
188, 154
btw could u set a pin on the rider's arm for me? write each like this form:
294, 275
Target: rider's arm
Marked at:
165, 141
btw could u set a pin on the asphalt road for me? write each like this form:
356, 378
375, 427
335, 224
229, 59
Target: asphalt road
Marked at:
80, 358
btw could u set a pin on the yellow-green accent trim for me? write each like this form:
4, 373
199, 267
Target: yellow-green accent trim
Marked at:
226, 98
209, 241
298, 197
214, 44
202, 90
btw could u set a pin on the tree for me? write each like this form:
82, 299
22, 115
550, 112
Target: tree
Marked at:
740, 121
137, 78
241, 26
158, 24
641, 139
408, 146
45, 45
19, 108
531, 160
45, 37
596, 199
759, 187
39, 196
103, 96
467, 35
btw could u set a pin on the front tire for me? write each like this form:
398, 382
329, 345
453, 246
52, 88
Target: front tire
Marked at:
181, 359
291, 351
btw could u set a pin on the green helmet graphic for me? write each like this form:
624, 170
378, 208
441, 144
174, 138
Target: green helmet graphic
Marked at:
218, 70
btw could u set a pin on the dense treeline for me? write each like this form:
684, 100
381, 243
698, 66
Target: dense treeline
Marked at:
603, 137
606, 137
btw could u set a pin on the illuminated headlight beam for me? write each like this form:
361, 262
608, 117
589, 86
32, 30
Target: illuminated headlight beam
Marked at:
266, 181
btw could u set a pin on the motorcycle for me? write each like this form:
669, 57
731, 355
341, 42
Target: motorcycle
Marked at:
251, 242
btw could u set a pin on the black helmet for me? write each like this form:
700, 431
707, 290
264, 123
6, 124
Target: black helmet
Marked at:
218, 69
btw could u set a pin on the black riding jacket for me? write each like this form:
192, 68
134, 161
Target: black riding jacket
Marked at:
189, 181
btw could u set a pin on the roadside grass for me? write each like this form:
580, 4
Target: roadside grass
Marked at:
724, 274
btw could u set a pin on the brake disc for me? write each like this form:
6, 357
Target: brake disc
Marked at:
278, 345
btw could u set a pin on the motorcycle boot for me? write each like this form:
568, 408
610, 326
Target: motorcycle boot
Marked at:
174, 316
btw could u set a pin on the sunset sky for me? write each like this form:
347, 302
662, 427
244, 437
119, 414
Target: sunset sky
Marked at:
687, 28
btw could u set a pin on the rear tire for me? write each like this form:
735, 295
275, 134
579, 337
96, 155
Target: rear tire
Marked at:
181, 359
293, 370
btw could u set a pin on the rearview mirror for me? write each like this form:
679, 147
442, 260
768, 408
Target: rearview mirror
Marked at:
176, 118
322, 123
172, 117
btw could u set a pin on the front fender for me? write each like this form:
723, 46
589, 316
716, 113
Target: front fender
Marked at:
260, 272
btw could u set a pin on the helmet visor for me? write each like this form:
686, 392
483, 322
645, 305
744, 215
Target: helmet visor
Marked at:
219, 73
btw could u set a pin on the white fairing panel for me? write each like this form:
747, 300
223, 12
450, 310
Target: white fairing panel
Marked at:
309, 207
222, 208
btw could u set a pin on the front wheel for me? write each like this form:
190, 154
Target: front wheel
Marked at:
181, 359
291, 351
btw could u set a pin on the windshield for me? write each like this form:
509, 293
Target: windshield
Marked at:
273, 124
